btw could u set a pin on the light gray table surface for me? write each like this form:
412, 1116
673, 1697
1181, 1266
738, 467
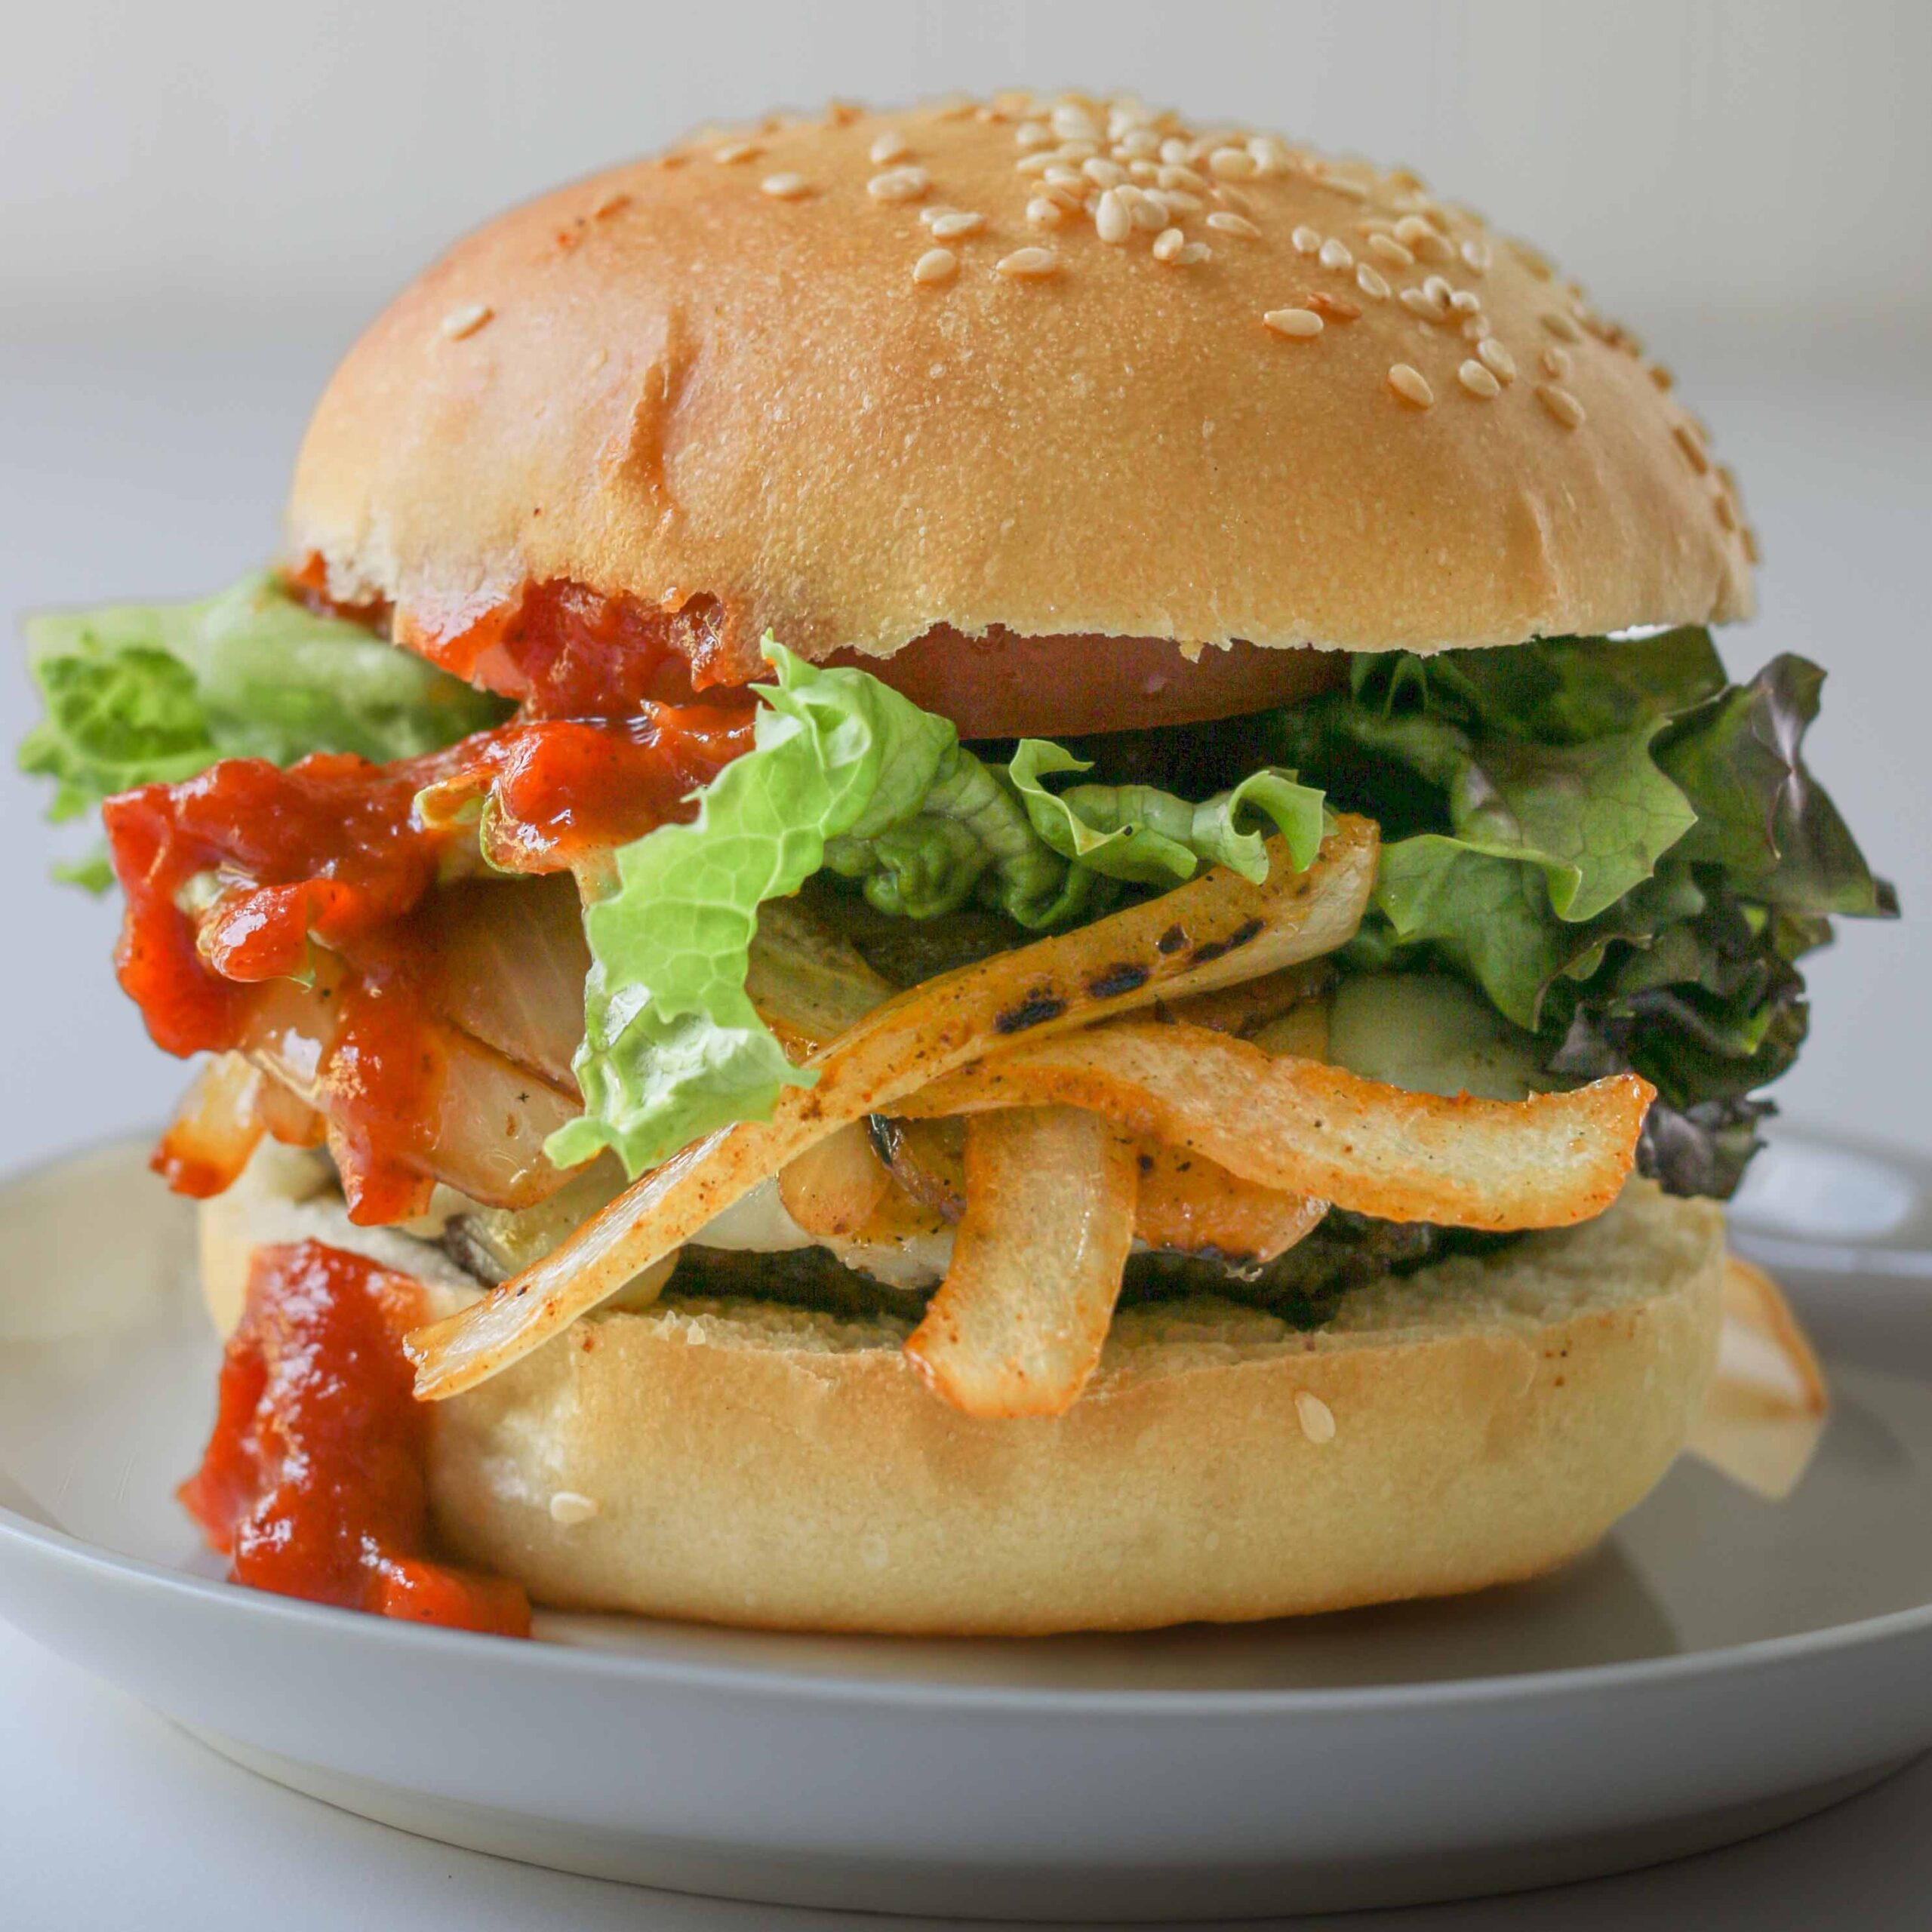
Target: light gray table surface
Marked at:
145, 454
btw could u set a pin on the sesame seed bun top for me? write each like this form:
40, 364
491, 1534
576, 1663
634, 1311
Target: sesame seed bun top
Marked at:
1057, 367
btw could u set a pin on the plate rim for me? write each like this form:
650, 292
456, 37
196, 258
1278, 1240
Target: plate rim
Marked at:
797, 1684
832, 1687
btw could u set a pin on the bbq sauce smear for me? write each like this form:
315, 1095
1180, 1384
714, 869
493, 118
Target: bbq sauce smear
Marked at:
314, 1483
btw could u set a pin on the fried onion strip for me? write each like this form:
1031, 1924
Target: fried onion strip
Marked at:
1303, 1128
1213, 932
1017, 1326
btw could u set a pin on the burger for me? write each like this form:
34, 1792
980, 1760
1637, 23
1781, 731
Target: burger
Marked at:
981, 870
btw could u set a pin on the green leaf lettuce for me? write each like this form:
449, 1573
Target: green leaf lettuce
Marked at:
135, 694
846, 775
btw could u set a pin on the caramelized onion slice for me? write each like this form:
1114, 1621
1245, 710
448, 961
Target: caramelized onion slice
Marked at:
505, 960
1212, 931
1195, 1205
1017, 1326
214, 1130
1549, 1161
833, 1189
1768, 1403
488, 1117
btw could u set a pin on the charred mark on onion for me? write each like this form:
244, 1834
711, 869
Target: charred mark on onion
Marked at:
1036, 1010
1112, 981
1216, 948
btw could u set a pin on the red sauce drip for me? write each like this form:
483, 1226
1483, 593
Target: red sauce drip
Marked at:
314, 1483
566, 651
561, 649
330, 853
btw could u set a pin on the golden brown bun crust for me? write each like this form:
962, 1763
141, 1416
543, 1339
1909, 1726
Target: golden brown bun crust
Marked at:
677, 380
750, 1464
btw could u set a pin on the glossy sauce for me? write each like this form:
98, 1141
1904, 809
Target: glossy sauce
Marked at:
304, 869
314, 1483
562, 650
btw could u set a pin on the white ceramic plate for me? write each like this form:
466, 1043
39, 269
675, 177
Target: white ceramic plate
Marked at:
1722, 1665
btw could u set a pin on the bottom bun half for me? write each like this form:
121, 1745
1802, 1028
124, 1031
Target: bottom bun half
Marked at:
1476, 1422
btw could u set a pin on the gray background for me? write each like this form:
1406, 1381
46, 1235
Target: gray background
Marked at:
199, 204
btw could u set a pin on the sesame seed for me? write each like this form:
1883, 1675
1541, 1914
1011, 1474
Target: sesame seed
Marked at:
1231, 165
1390, 250
1179, 201
1557, 362
1561, 405
1063, 198
1433, 246
610, 206
1103, 173
1140, 144
1561, 327
1316, 1417
1306, 241
1271, 154
786, 187
1033, 135
1466, 302
956, 223
1727, 510
1074, 124
1660, 376
1059, 175
1497, 359
1028, 265
1688, 440
1112, 222
1194, 253
1038, 162
1175, 176
1297, 324
936, 265
1150, 216
466, 320
570, 1507
1042, 213
1335, 254
1475, 327
1371, 284
1341, 184
899, 184
1749, 538
1475, 257
1232, 197
1175, 151
1411, 385
732, 151
890, 146
1143, 170
1168, 243
1234, 224
1419, 302
1337, 308
1438, 290
1478, 380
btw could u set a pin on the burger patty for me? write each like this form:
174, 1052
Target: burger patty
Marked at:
1302, 1287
